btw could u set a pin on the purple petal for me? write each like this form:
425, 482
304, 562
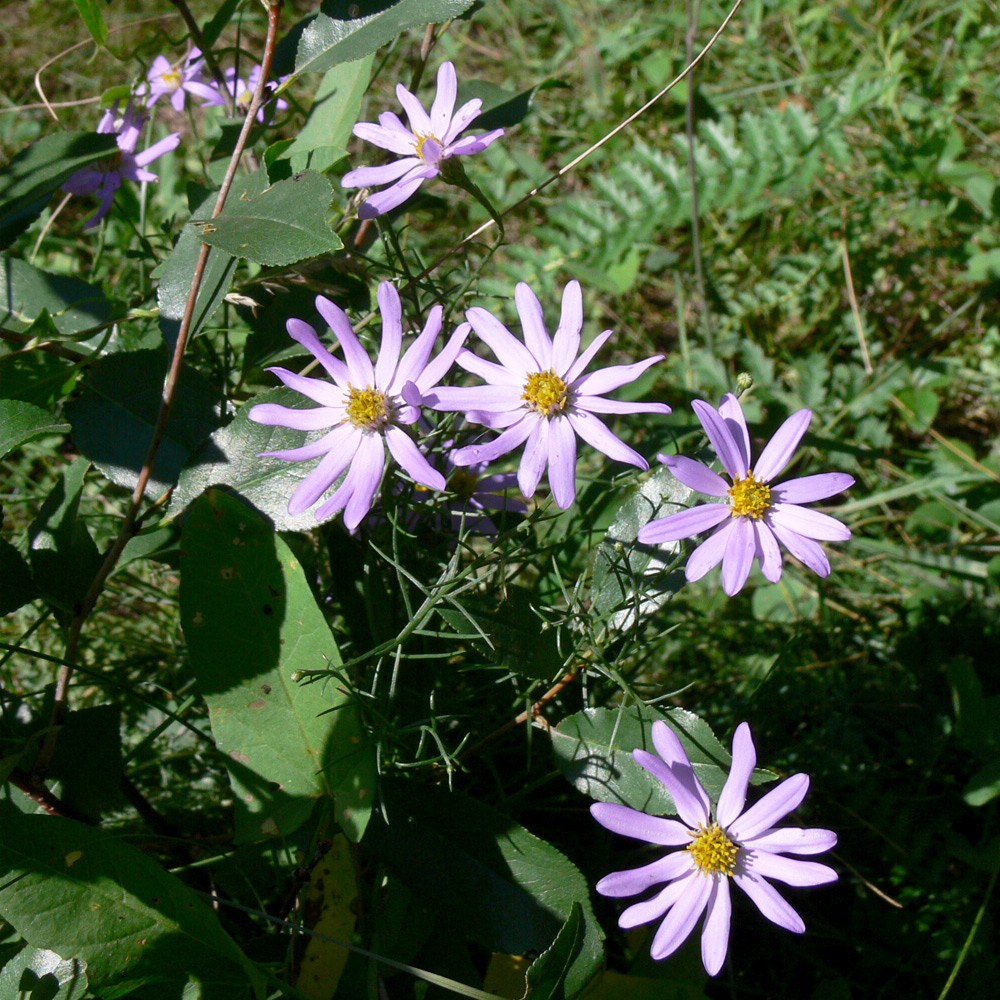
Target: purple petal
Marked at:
359, 365
392, 334
722, 439
366, 471
734, 792
392, 197
741, 547
302, 333
177, 99
474, 143
715, 933
808, 522
318, 447
420, 123
462, 119
696, 475
804, 549
536, 337
793, 840
404, 143
806, 489
779, 450
788, 870
777, 804
489, 370
376, 176
680, 921
429, 374
325, 474
157, 150
767, 551
597, 404
732, 413
709, 554
535, 457
562, 461
679, 783
630, 822
770, 903
301, 420
593, 431
476, 397
412, 459
589, 352
510, 439
316, 389
566, 341
683, 524
636, 880
496, 420
670, 748
444, 100
511, 353
608, 379
654, 907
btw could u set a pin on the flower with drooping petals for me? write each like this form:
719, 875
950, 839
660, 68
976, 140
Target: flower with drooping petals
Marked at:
178, 81
738, 844
430, 140
242, 92
366, 407
759, 515
539, 394
104, 177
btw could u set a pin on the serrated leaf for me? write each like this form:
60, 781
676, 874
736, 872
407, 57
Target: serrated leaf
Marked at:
20, 422
507, 632
283, 224
251, 621
63, 556
30, 178
593, 749
488, 878
339, 33
38, 974
630, 581
546, 977
73, 307
114, 416
231, 459
82, 893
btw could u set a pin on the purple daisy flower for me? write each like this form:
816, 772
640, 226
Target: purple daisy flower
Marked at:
425, 145
366, 408
758, 515
104, 177
178, 81
538, 394
242, 92
472, 494
739, 844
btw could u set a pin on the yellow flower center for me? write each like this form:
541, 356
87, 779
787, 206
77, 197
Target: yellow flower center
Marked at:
751, 497
463, 483
712, 851
171, 79
546, 393
368, 408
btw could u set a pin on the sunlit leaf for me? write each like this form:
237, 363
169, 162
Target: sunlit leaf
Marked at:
20, 422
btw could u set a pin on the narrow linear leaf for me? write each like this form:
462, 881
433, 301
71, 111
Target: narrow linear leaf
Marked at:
93, 19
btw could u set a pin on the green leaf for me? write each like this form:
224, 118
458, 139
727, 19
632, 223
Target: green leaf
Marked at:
507, 632
340, 33
547, 975
88, 760
114, 416
63, 556
73, 307
231, 459
38, 974
16, 588
82, 893
20, 422
334, 111
212, 29
593, 749
984, 785
93, 19
251, 621
487, 878
28, 181
630, 580
501, 108
178, 269
285, 223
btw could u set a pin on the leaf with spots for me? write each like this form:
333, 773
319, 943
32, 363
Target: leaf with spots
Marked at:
251, 622
88, 896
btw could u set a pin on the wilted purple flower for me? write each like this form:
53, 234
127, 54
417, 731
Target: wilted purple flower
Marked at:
539, 394
472, 494
739, 844
104, 177
758, 515
242, 92
429, 141
177, 81
366, 407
